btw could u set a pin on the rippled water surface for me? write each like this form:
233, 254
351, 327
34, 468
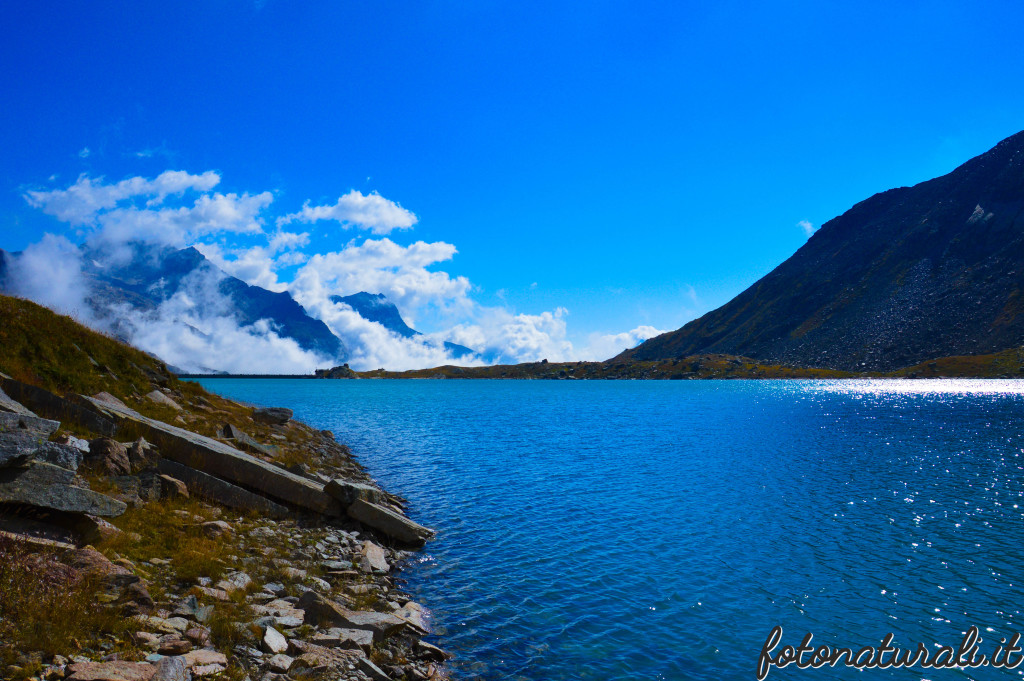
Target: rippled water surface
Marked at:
658, 530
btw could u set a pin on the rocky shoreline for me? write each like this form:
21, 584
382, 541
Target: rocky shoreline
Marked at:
168, 533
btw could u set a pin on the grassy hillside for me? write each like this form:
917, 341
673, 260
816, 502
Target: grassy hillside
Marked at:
55, 352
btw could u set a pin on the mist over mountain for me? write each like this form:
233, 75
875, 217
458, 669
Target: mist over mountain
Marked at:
178, 304
908, 275
377, 308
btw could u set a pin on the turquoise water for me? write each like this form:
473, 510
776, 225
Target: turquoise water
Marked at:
659, 530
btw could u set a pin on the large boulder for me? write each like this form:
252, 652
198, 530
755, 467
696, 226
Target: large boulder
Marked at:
320, 610
142, 455
47, 486
275, 416
393, 524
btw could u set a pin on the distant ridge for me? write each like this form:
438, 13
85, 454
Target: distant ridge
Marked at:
908, 275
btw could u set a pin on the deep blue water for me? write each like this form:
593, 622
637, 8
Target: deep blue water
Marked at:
659, 530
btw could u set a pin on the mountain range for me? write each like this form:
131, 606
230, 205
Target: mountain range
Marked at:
123, 286
908, 275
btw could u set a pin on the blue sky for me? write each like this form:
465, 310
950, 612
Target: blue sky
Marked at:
633, 164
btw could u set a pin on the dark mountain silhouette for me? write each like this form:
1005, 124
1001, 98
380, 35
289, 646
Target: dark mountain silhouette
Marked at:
906, 276
377, 308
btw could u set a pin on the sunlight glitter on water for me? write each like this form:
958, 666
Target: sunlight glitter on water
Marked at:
932, 386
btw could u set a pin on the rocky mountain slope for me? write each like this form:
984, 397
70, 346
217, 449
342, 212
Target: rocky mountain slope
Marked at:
179, 534
377, 308
906, 276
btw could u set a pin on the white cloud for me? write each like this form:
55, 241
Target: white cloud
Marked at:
382, 266
807, 226
215, 214
195, 331
285, 241
509, 338
50, 273
367, 211
605, 346
82, 202
372, 346
84, 153
195, 328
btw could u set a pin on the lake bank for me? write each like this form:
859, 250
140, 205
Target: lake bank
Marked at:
179, 532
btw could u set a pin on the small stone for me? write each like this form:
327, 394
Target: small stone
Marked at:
142, 455
172, 488
248, 651
274, 642
345, 638
145, 638
427, 651
216, 594
208, 669
198, 635
216, 528
174, 646
280, 663
371, 670
293, 573
272, 415
159, 398
171, 669
110, 671
205, 657
319, 584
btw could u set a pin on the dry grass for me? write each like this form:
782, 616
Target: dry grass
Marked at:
171, 530
34, 586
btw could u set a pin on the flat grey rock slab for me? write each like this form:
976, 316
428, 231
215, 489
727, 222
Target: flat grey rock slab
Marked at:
389, 522
47, 486
220, 460
223, 492
58, 454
